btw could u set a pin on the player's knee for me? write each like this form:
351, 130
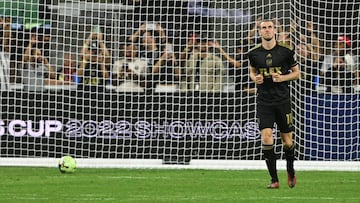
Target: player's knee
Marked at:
267, 132
287, 139
267, 136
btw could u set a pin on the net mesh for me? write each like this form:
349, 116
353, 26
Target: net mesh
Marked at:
169, 79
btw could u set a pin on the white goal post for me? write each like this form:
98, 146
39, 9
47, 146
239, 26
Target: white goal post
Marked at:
165, 84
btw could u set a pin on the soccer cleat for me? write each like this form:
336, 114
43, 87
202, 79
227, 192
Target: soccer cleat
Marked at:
291, 181
274, 185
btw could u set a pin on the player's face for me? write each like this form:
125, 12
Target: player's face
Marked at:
267, 30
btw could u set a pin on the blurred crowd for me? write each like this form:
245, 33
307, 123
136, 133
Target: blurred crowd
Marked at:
150, 62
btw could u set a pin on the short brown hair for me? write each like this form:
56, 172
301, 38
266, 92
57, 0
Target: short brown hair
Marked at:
269, 20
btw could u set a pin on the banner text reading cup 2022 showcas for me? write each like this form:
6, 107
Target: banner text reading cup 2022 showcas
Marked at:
208, 125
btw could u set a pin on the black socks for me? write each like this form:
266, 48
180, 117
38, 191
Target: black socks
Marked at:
270, 159
290, 157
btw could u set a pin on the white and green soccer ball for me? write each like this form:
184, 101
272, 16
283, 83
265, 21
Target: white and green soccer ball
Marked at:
67, 164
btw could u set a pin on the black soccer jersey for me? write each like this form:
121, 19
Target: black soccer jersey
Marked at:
280, 60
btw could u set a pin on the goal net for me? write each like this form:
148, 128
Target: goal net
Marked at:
111, 81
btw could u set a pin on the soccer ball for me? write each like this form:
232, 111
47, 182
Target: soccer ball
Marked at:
67, 164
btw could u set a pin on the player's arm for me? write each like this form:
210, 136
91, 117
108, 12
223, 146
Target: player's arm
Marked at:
257, 78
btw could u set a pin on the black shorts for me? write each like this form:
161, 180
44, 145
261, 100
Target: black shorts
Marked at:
280, 114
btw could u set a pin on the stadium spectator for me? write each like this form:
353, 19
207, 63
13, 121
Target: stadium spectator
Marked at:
234, 62
95, 37
40, 38
243, 80
314, 42
308, 50
341, 56
151, 39
204, 71
308, 67
38, 73
92, 70
253, 37
129, 73
284, 37
69, 68
342, 48
190, 47
152, 29
307, 36
193, 45
18, 44
338, 79
239, 66
5, 39
166, 71
5, 33
279, 26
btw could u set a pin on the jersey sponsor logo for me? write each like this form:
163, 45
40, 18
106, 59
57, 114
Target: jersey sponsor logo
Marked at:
267, 72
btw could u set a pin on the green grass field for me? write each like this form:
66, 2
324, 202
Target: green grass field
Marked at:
25, 184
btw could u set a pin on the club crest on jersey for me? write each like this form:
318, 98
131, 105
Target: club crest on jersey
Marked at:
269, 62
269, 59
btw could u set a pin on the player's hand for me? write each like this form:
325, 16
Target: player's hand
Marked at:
277, 77
259, 79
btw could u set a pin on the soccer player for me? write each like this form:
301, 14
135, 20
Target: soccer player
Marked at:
272, 66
